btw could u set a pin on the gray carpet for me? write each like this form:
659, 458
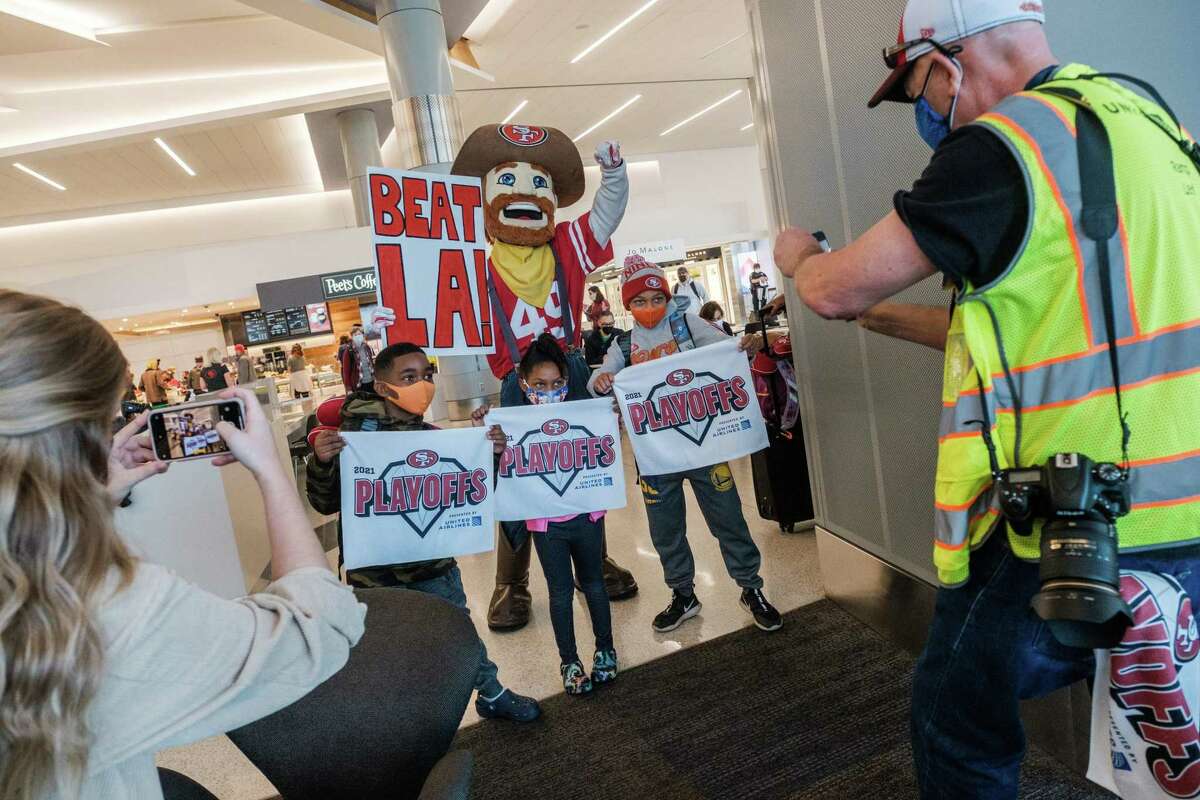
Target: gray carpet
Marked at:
817, 711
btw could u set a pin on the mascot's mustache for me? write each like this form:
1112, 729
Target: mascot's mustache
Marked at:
509, 207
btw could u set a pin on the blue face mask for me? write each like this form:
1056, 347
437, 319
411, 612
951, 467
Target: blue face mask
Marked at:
541, 398
932, 126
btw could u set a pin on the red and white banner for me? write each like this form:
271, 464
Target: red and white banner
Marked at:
415, 496
691, 410
431, 260
562, 458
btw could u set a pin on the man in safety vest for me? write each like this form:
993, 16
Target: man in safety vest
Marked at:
999, 211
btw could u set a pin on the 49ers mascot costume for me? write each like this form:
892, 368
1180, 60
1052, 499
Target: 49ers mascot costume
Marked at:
537, 279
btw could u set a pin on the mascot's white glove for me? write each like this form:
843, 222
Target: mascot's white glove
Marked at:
613, 195
381, 318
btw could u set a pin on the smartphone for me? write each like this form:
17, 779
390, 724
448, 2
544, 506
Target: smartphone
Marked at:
189, 431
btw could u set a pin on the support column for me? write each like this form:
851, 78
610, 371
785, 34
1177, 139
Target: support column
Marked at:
360, 148
429, 132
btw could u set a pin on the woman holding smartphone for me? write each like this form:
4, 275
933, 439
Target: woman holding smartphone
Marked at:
107, 659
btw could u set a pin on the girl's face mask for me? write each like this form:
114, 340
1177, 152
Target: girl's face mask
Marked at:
541, 397
414, 399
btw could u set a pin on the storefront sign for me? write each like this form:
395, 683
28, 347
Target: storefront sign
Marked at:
415, 496
431, 260
690, 410
348, 284
704, 254
562, 458
658, 252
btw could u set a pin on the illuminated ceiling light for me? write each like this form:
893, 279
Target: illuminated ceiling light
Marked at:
124, 319
184, 311
476, 71
228, 75
722, 45
39, 176
174, 156
746, 127
701, 112
486, 20
616, 28
610, 115
514, 112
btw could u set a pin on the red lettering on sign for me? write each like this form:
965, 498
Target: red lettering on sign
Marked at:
385, 206
454, 300
392, 294
414, 190
485, 302
441, 215
363, 491
467, 198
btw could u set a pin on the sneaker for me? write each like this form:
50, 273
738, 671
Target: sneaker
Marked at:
575, 680
509, 705
604, 667
682, 608
765, 615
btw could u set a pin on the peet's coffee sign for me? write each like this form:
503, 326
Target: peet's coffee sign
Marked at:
348, 284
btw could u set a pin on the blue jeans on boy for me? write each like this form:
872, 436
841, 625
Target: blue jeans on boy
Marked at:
987, 650
722, 509
450, 587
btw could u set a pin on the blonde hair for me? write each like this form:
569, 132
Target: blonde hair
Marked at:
58, 549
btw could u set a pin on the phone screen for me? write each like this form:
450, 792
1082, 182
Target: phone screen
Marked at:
191, 431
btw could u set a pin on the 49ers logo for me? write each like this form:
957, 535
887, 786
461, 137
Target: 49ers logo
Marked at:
689, 402
556, 452
1145, 682
419, 489
555, 427
524, 135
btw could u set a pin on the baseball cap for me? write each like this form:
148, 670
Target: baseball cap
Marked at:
929, 23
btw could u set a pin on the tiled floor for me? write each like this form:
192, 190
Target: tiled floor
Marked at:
527, 658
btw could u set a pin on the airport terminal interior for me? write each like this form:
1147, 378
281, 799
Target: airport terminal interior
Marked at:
201, 178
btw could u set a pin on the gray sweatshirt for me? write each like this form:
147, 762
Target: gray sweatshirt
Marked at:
647, 344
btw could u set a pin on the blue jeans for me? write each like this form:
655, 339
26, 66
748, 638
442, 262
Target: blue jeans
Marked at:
577, 541
450, 587
722, 509
987, 650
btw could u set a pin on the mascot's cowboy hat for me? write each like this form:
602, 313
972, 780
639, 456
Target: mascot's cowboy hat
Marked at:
549, 148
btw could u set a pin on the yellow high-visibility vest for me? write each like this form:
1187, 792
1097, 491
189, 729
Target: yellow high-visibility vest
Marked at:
1048, 311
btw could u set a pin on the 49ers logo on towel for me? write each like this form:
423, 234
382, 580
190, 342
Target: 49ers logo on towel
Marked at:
524, 135
419, 489
688, 402
562, 458
415, 496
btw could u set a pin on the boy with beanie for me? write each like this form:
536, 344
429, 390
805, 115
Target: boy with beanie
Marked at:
662, 330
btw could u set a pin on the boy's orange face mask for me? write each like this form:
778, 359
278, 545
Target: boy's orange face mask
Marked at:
414, 399
650, 316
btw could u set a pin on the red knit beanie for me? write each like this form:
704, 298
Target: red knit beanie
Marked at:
640, 275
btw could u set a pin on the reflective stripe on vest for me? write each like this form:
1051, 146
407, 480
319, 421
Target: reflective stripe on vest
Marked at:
1048, 309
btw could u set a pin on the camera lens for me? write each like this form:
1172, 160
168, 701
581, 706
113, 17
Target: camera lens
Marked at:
1080, 596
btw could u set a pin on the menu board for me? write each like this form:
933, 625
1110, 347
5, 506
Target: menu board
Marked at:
256, 327
297, 320
277, 324
318, 318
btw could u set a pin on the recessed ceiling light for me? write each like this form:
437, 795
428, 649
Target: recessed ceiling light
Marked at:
184, 311
231, 305
514, 112
701, 112
609, 116
174, 156
616, 28
39, 176
124, 319
746, 127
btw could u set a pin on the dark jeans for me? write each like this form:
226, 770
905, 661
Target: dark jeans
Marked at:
579, 541
722, 509
511, 395
986, 650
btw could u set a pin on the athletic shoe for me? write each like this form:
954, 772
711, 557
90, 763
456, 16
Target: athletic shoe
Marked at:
765, 615
604, 667
682, 608
509, 705
575, 680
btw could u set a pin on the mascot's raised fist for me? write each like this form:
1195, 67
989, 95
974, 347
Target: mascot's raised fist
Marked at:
608, 154
382, 317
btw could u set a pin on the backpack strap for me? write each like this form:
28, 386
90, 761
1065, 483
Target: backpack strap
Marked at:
625, 342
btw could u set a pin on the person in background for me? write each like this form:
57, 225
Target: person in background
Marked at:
300, 379
597, 306
347, 364
644, 292
712, 312
403, 391
215, 373
559, 541
759, 283
131, 388
689, 295
154, 384
108, 658
363, 360
195, 381
245, 367
596, 343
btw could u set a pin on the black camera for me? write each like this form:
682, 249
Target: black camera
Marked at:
1081, 500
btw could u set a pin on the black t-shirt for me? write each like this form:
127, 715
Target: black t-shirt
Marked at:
969, 210
214, 377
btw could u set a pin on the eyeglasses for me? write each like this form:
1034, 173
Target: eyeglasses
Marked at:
891, 55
